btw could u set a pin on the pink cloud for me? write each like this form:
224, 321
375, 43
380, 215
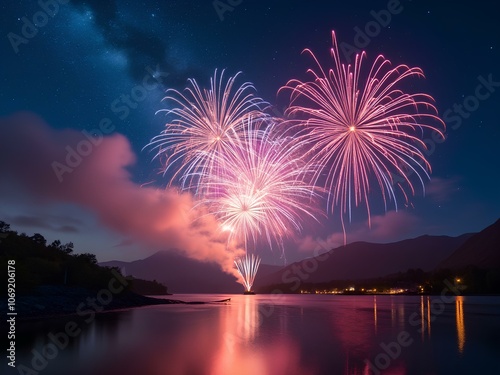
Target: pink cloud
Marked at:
441, 189
101, 184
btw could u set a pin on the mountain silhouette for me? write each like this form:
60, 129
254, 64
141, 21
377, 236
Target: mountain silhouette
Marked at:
364, 260
481, 250
355, 261
184, 275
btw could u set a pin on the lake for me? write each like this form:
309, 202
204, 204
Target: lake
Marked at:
273, 335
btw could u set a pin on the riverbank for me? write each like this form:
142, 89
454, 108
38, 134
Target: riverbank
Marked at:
53, 301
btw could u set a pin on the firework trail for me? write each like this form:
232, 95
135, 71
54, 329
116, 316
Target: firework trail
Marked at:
361, 128
247, 267
205, 124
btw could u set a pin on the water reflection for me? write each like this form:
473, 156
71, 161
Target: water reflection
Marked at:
401, 316
242, 351
393, 311
429, 316
422, 315
459, 315
246, 324
352, 326
349, 335
425, 317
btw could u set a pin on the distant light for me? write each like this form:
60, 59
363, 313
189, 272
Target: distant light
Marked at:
352, 128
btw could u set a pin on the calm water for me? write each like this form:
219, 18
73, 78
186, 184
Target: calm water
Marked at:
280, 335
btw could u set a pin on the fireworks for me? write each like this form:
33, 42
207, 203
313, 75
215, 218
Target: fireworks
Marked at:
362, 130
205, 124
262, 189
248, 267
354, 132
226, 148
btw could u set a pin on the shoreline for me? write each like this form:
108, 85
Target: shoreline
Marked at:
56, 301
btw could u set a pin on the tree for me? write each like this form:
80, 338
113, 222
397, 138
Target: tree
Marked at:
4, 227
39, 239
87, 257
56, 245
68, 248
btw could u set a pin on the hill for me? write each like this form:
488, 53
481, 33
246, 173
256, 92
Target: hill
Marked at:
360, 260
482, 250
363, 260
185, 275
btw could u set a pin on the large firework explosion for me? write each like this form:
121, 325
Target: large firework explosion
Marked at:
362, 129
204, 123
261, 191
221, 145
352, 132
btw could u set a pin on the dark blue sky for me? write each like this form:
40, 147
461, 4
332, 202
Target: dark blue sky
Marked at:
82, 62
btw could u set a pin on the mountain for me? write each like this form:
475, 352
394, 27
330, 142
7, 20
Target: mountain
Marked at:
355, 261
184, 275
481, 250
363, 260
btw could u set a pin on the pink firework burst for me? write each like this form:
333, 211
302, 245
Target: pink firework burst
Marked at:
362, 127
204, 124
262, 189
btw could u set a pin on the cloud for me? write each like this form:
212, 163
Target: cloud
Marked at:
125, 242
393, 226
67, 229
441, 189
101, 184
47, 222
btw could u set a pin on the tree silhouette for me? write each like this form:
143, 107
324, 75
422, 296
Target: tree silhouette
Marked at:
39, 239
4, 227
87, 257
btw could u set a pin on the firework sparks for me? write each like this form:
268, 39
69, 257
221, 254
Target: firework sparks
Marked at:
221, 144
262, 190
361, 129
247, 267
205, 124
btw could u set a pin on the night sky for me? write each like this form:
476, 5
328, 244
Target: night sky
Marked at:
86, 64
